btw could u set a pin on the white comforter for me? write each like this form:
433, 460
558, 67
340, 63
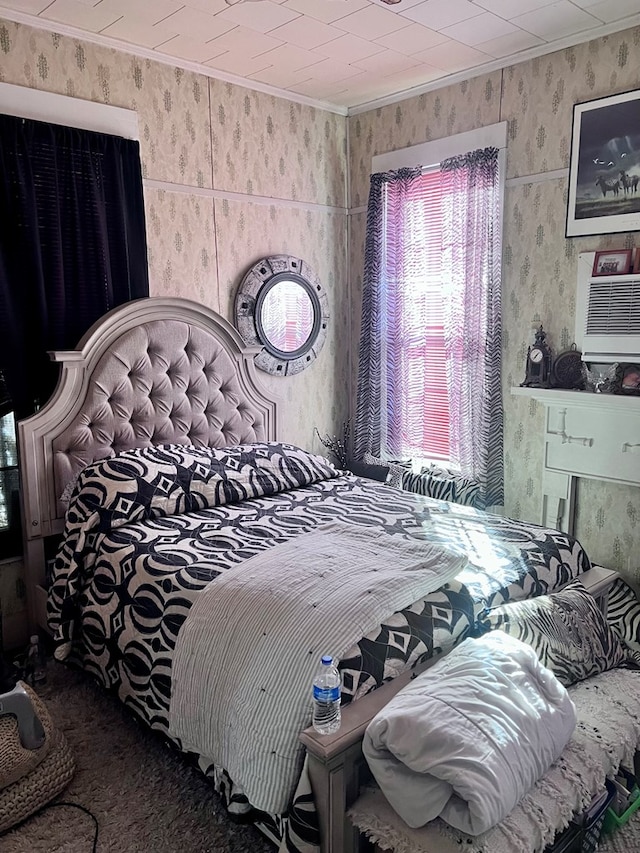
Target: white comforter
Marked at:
468, 738
248, 650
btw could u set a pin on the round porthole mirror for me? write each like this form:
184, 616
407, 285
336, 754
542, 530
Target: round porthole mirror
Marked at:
281, 306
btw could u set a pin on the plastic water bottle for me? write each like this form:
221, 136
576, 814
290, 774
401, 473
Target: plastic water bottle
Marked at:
326, 697
35, 667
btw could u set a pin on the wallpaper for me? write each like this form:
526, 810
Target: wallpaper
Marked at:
536, 98
199, 135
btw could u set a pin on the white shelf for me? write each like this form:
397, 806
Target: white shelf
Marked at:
583, 399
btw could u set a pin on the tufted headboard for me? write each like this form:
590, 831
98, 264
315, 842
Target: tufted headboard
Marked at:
153, 371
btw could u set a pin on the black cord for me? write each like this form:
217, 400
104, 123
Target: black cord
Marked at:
82, 809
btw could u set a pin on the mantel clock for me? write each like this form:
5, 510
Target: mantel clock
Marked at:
538, 367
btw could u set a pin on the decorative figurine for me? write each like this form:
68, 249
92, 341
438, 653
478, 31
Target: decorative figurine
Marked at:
538, 362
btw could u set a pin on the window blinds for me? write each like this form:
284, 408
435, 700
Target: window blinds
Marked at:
418, 416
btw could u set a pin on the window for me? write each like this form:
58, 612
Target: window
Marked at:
73, 247
419, 422
430, 346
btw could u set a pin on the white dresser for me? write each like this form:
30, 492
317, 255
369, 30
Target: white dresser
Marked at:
586, 435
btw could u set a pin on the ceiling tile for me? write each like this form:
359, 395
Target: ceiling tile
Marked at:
331, 70
404, 80
481, 28
199, 25
245, 42
405, 4
349, 48
326, 12
143, 10
411, 39
559, 19
509, 8
306, 32
608, 11
210, 6
282, 78
186, 47
133, 29
292, 57
509, 44
263, 17
74, 14
387, 62
452, 56
33, 7
238, 63
319, 89
371, 23
437, 14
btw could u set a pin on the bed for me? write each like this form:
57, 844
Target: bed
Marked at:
164, 385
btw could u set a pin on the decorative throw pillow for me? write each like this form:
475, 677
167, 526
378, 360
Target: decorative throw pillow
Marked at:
394, 470
567, 630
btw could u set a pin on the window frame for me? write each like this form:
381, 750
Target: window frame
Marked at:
428, 156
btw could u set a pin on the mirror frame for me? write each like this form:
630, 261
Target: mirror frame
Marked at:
253, 290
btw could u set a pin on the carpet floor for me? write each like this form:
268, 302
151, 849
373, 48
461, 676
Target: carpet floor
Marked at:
146, 797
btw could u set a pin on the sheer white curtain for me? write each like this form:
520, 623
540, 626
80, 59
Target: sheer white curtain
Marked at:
472, 249
429, 365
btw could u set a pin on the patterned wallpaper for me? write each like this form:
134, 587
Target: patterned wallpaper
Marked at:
204, 134
539, 265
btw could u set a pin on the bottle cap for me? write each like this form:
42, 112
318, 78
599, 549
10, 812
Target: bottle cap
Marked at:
327, 660
34, 638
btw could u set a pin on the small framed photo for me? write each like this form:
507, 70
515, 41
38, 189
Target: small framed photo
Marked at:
627, 379
612, 263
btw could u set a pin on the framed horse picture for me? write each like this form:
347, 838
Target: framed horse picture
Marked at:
604, 172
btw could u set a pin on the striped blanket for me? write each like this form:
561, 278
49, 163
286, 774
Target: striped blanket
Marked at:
247, 652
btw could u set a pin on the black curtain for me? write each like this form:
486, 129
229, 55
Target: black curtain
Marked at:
72, 244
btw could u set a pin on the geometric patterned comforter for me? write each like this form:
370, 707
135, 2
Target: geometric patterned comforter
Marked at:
148, 529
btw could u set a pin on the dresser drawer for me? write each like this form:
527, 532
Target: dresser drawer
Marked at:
593, 443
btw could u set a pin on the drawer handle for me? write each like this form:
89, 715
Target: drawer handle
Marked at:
627, 447
571, 439
564, 437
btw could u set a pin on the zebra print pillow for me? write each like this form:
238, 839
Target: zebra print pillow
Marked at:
444, 485
566, 629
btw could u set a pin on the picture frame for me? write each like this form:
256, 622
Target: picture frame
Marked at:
615, 262
627, 379
604, 169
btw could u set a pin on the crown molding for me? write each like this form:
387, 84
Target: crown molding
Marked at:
498, 64
164, 58
255, 85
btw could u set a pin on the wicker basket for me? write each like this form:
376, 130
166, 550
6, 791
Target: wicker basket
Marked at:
30, 778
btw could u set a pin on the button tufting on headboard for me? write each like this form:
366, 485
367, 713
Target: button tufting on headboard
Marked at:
162, 382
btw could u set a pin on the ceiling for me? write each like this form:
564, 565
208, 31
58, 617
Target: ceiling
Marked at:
343, 53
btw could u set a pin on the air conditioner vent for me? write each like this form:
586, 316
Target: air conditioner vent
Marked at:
614, 308
607, 314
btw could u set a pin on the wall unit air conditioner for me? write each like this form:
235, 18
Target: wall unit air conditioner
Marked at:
607, 314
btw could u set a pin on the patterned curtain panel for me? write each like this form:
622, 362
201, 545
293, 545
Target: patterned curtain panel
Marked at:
379, 338
430, 342
473, 331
